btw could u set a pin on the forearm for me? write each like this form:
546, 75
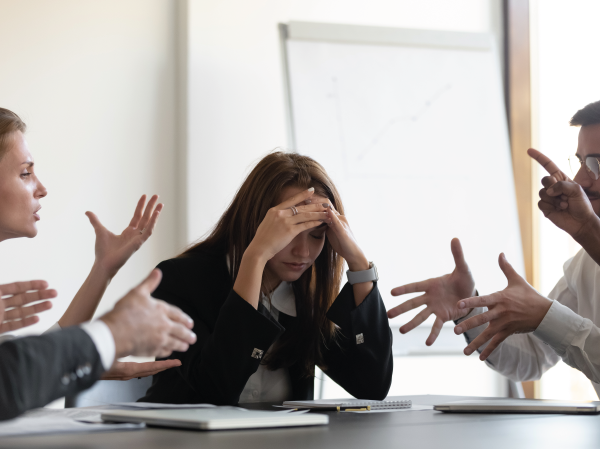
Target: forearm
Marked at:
84, 304
249, 278
589, 238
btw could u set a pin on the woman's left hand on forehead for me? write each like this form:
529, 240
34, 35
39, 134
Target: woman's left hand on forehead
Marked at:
113, 251
343, 241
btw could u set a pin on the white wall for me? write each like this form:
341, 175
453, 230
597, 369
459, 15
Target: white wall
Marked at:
236, 109
95, 82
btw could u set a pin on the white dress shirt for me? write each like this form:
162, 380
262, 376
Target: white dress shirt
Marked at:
266, 385
567, 332
98, 332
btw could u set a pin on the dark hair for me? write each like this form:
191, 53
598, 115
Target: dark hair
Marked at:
589, 115
318, 286
9, 123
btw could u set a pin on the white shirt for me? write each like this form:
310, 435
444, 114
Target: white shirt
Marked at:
98, 332
567, 332
266, 385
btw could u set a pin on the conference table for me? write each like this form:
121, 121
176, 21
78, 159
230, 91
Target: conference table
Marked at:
413, 429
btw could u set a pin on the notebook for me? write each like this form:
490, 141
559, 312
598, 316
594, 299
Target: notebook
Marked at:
218, 418
519, 406
350, 405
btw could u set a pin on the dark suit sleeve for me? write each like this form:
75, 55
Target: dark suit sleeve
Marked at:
360, 360
36, 370
217, 367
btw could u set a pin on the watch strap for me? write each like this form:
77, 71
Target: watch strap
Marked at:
362, 276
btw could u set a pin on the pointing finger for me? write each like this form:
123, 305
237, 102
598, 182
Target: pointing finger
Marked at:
547, 164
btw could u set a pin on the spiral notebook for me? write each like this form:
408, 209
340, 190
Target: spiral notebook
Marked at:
350, 405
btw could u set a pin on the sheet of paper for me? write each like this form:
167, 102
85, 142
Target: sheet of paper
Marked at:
57, 425
143, 405
78, 414
414, 408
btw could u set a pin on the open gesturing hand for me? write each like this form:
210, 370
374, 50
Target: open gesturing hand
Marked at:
517, 309
125, 370
280, 225
441, 296
562, 200
113, 251
16, 309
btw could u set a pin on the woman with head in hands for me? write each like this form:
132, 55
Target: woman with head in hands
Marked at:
20, 195
263, 290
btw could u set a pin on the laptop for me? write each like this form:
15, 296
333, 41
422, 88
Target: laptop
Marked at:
519, 406
219, 418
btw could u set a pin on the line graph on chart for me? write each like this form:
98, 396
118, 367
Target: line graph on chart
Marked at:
382, 134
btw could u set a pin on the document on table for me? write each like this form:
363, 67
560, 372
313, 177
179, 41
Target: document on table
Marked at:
57, 425
413, 408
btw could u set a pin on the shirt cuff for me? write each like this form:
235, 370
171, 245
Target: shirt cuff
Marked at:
103, 340
54, 327
558, 327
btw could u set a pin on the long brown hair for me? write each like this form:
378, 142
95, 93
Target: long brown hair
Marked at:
318, 286
9, 123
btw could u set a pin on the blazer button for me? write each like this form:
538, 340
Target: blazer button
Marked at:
65, 379
87, 368
254, 393
73, 376
79, 372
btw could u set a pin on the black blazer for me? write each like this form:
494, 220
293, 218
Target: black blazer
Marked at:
217, 367
36, 370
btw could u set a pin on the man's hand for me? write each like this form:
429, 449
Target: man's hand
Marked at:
113, 251
16, 310
127, 370
517, 309
144, 326
564, 202
548, 164
441, 296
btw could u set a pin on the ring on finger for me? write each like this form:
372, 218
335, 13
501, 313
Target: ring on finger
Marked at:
142, 231
294, 210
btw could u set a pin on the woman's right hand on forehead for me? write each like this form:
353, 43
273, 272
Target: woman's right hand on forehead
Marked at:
281, 225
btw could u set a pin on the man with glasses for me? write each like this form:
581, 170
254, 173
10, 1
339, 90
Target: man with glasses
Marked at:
517, 331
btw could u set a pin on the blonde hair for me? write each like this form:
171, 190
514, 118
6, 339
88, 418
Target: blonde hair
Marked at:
9, 124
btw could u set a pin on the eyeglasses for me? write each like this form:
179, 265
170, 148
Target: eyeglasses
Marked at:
592, 166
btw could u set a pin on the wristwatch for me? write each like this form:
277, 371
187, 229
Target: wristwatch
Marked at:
362, 276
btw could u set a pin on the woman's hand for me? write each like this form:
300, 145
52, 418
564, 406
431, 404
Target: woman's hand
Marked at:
113, 251
441, 296
517, 309
15, 298
127, 370
280, 225
343, 242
